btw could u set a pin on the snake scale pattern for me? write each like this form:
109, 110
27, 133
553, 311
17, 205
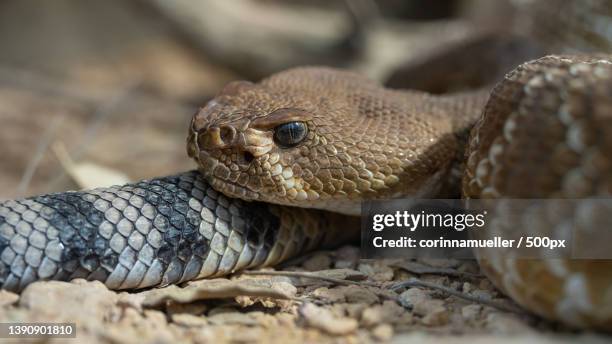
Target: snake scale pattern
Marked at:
285, 162
151, 233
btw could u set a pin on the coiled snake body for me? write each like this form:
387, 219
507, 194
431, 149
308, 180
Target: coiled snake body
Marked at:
271, 152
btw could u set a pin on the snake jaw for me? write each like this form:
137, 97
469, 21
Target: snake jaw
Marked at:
230, 156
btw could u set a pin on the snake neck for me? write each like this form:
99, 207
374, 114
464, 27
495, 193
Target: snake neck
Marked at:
465, 108
460, 111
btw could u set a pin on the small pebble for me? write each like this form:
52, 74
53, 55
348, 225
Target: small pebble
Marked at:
471, 312
427, 307
357, 294
437, 317
322, 319
347, 257
330, 295
506, 324
383, 332
377, 271
319, 261
412, 296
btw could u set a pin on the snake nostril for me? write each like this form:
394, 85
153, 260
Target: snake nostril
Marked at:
248, 157
202, 140
217, 137
227, 134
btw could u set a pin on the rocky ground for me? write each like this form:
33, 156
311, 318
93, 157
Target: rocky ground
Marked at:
324, 297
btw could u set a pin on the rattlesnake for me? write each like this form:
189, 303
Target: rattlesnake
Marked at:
313, 137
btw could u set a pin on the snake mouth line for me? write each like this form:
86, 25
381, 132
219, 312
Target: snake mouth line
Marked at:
232, 189
208, 164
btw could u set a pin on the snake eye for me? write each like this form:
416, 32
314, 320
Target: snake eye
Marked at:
290, 134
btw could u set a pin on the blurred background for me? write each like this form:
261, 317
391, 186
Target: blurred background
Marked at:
99, 92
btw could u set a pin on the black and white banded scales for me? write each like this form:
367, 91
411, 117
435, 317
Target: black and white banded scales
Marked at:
151, 233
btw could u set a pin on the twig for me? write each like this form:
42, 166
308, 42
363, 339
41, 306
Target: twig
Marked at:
100, 115
103, 112
425, 270
41, 148
414, 282
302, 274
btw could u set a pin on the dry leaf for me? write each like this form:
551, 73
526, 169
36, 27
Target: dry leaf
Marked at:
341, 274
213, 289
91, 176
88, 175
287, 288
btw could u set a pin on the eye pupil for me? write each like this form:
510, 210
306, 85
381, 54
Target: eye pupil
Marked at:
290, 134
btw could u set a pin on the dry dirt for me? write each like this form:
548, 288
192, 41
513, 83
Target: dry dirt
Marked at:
359, 306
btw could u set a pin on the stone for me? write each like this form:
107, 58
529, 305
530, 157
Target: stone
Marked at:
330, 295
319, 261
437, 317
471, 312
412, 296
503, 323
322, 319
358, 294
377, 271
383, 332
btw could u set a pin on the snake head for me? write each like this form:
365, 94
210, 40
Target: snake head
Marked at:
309, 137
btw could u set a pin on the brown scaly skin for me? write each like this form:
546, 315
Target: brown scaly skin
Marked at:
546, 133
365, 142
